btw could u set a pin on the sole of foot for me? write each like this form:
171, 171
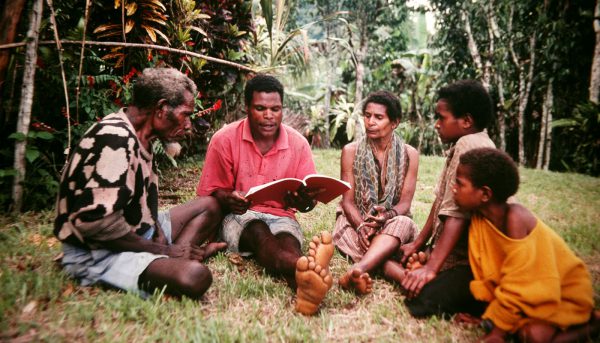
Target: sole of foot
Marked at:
361, 283
313, 283
320, 249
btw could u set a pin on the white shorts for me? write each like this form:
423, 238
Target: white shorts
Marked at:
234, 224
120, 270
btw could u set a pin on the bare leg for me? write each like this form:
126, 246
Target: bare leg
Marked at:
277, 254
312, 274
588, 332
195, 221
394, 271
182, 277
357, 278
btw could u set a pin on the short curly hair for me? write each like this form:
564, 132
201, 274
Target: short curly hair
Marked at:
468, 97
387, 99
493, 168
161, 83
262, 83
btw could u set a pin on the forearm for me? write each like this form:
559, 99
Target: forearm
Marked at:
352, 213
426, 232
453, 229
133, 242
221, 196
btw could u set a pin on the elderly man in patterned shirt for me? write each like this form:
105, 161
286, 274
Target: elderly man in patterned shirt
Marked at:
107, 206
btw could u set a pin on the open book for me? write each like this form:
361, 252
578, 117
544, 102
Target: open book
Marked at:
276, 190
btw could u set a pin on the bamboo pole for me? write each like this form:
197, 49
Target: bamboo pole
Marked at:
140, 45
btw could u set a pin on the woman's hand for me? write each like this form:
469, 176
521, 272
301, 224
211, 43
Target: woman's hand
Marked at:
377, 218
365, 233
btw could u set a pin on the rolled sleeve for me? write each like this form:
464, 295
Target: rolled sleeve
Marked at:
217, 172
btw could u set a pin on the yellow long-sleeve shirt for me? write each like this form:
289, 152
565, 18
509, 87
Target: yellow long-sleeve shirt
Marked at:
537, 277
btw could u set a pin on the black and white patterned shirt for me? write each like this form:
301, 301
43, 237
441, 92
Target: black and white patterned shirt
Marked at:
109, 186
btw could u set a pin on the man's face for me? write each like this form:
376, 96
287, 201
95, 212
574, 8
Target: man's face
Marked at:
175, 122
265, 112
448, 127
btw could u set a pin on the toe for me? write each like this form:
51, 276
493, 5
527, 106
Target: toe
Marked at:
326, 237
302, 264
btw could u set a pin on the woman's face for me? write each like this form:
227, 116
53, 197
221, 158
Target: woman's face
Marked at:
377, 122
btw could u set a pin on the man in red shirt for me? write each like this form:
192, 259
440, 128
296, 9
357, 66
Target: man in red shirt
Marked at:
253, 151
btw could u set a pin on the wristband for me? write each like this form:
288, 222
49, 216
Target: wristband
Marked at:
487, 325
389, 214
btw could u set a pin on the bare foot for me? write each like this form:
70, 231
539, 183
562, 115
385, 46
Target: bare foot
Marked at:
416, 260
361, 283
466, 319
212, 248
313, 283
321, 249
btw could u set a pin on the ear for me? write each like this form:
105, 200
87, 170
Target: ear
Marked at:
395, 123
160, 107
487, 194
467, 121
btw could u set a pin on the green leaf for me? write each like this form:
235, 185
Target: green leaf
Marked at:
18, 136
45, 135
32, 154
267, 9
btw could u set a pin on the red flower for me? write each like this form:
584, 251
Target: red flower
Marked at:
217, 105
113, 85
200, 95
150, 57
190, 43
129, 75
90, 79
118, 102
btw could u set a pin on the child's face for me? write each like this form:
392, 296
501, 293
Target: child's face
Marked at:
466, 195
448, 127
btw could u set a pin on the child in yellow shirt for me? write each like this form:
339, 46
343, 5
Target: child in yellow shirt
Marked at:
535, 286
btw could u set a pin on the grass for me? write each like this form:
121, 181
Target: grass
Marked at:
39, 303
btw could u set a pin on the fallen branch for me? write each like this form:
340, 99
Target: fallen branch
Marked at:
138, 45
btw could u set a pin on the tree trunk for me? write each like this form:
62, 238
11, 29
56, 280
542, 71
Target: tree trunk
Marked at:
26, 102
9, 21
474, 50
543, 155
360, 70
494, 33
550, 105
525, 81
595, 76
501, 112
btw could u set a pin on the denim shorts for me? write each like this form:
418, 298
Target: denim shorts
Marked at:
234, 224
120, 270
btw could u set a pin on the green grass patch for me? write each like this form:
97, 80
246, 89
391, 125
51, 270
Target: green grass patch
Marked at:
39, 303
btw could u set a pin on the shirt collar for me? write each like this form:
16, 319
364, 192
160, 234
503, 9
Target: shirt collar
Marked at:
281, 143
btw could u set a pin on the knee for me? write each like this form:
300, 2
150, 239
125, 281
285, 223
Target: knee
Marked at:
212, 208
194, 279
535, 333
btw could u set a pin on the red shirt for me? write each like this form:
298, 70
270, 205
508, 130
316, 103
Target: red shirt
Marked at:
233, 162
